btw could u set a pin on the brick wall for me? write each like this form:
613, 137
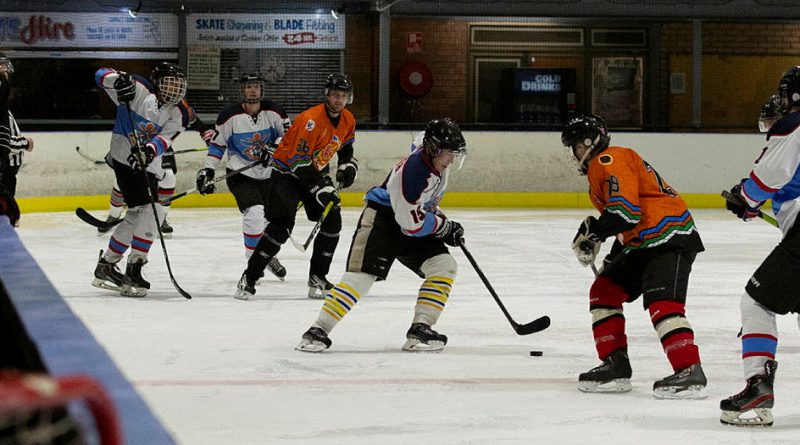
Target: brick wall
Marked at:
360, 63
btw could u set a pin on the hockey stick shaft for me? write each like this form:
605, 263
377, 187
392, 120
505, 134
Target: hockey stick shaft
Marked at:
216, 180
304, 246
138, 153
730, 198
103, 162
537, 325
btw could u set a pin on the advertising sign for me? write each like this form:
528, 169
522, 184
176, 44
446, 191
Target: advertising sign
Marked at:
297, 31
85, 31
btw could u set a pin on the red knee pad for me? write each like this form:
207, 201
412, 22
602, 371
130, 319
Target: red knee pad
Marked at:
663, 308
605, 292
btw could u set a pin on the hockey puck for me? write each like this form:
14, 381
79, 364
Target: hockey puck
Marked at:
535, 353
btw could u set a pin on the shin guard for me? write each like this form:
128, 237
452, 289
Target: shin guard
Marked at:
675, 332
608, 322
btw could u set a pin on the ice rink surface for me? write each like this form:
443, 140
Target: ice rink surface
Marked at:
222, 371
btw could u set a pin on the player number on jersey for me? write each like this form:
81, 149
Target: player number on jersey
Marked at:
418, 215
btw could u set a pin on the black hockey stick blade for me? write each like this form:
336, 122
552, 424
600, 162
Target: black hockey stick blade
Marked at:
540, 324
84, 156
86, 217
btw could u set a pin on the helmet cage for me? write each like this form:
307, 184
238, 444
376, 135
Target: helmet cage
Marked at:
339, 82
6, 62
770, 113
171, 89
251, 79
589, 132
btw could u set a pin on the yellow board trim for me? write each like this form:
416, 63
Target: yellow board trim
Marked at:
519, 200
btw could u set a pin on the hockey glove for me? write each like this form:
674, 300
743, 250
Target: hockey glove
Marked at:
451, 233
586, 243
265, 157
146, 155
347, 173
125, 87
208, 135
8, 206
738, 205
324, 192
204, 181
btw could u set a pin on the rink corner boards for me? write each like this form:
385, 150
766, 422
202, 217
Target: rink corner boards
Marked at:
520, 200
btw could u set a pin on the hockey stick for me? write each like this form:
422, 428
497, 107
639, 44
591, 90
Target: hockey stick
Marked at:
537, 325
103, 162
304, 246
137, 151
730, 198
216, 180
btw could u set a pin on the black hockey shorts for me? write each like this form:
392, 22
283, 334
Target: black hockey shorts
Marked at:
657, 275
8, 176
168, 160
284, 194
133, 185
776, 282
247, 191
378, 241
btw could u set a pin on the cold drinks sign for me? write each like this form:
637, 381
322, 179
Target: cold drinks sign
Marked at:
535, 83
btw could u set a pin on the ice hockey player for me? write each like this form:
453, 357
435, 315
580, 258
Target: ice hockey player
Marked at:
12, 144
134, 156
301, 175
166, 185
656, 244
772, 289
402, 221
247, 131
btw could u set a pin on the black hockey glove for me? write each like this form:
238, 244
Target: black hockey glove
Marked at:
204, 181
451, 233
738, 205
324, 192
125, 87
8, 206
586, 243
146, 155
265, 157
347, 173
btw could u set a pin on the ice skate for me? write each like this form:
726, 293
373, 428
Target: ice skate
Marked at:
166, 229
318, 287
107, 275
103, 230
276, 268
421, 337
688, 383
134, 285
753, 406
314, 340
245, 289
613, 375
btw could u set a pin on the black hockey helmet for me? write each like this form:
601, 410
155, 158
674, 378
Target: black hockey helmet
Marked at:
170, 82
789, 88
6, 62
251, 79
589, 130
770, 113
339, 82
443, 134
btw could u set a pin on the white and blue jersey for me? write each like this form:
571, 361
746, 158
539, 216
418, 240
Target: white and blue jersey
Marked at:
245, 137
155, 124
776, 173
413, 190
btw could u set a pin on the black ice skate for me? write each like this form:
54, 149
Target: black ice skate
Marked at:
166, 229
276, 268
318, 287
107, 275
110, 219
688, 383
245, 289
314, 340
752, 406
420, 337
613, 375
134, 285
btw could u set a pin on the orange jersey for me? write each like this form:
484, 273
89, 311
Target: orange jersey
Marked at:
312, 140
625, 185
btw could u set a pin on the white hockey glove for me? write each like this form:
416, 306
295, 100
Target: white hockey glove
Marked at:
451, 232
139, 160
325, 192
586, 244
205, 181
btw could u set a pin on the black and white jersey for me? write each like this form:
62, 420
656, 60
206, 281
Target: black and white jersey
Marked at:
12, 143
155, 123
244, 137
